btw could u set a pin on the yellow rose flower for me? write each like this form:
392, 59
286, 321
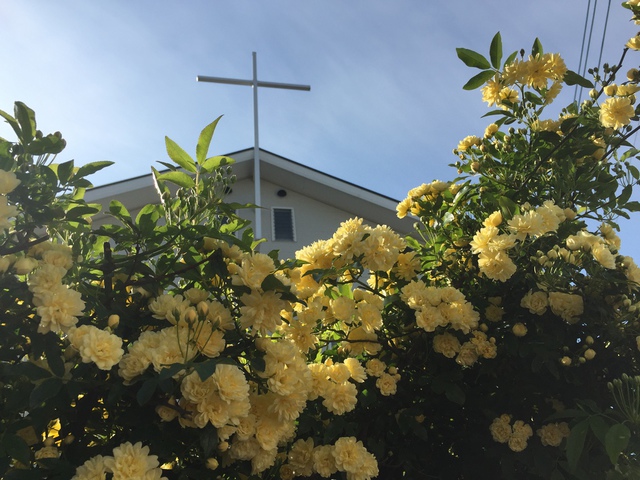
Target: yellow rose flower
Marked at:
634, 43
616, 112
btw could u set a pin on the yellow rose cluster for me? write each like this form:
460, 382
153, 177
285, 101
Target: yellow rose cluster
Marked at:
552, 434
535, 72
8, 183
428, 192
516, 435
439, 307
57, 305
129, 461
492, 246
347, 455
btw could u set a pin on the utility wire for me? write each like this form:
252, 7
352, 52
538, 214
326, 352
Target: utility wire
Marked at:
584, 37
586, 57
604, 33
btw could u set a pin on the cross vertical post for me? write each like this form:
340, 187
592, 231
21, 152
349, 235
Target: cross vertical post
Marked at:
254, 83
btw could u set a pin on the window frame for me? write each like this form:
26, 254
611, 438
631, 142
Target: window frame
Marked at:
274, 236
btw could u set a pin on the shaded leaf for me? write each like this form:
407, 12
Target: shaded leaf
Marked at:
575, 443
616, 440
27, 120
119, 211
599, 428
64, 171
148, 217
146, 391
11, 121
508, 207
44, 391
209, 440
454, 393
15, 447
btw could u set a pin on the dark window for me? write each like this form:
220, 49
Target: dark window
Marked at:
283, 224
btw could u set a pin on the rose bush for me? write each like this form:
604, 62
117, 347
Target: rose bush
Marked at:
500, 339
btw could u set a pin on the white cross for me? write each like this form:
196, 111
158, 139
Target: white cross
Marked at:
256, 147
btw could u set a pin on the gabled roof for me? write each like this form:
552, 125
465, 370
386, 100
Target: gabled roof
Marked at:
358, 201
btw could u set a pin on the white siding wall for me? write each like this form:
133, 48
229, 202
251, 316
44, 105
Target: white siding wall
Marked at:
313, 220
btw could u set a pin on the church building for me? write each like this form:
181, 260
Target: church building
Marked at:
299, 204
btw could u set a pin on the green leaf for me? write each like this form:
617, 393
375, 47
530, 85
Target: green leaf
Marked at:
148, 217
271, 282
212, 163
80, 211
572, 78
537, 49
616, 440
209, 440
28, 369
495, 51
208, 367
161, 187
50, 144
178, 155
44, 391
454, 393
478, 80
27, 120
54, 354
11, 121
633, 206
64, 171
146, 391
204, 141
508, 207
511, 58
92, 167
15, 447
472, 59
599, 428
119, 211
179, 178
625, 195
170, 371
575, 443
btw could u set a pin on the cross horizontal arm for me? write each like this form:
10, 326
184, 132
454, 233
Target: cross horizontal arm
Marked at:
231, 81
237, 81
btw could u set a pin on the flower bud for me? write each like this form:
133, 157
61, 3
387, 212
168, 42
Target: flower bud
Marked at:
565, 361
611, 89
25, 265
589, 354
519, 330
569, 213
212, 463
114, 321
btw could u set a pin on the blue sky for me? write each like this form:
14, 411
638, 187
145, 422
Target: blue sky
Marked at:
386, 105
